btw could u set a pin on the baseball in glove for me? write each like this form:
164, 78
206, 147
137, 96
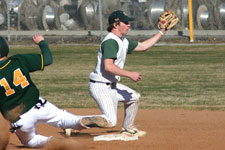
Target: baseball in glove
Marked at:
167, 20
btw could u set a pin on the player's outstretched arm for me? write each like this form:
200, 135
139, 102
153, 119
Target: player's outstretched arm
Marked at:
166, 21
145, 45
39, 40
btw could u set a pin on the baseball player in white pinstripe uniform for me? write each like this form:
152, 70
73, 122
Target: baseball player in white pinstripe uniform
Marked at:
104, 86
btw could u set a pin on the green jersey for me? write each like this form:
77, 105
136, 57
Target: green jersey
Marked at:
18, 94
16, 87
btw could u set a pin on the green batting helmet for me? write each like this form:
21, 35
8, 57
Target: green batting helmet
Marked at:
4, 49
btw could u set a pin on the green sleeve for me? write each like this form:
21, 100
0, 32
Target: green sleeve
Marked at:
109, 49
32, 62
46, 53
132, 45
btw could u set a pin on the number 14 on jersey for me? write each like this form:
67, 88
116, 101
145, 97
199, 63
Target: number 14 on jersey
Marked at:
18, 80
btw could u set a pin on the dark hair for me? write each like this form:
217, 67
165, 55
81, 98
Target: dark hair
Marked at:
111, 26
4, 49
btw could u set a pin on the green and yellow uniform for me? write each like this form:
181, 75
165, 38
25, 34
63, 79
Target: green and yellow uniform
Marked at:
16, 88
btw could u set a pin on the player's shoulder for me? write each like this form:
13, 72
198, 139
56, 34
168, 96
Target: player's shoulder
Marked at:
17, 56
110, 43
21, 57
14, 58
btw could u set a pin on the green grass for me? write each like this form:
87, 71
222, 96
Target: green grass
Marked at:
190, 77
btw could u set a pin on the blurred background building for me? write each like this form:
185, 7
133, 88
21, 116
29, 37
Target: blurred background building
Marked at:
79, 15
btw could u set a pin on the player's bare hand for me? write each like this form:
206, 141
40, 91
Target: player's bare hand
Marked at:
38, 38
135, 76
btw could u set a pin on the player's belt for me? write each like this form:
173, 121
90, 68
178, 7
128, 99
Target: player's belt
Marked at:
107, 83
41, 103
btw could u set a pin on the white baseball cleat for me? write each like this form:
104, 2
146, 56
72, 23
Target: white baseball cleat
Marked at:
67, 132
133, 131
94, 121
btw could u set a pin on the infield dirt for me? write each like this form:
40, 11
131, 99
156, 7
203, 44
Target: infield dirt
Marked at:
167, 129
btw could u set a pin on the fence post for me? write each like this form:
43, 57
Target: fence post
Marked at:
190, 21
8, 19
100, 18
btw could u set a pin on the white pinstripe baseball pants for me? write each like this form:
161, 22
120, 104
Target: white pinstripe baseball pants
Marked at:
107, 98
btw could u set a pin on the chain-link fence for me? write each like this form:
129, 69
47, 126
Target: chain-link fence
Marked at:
77, 15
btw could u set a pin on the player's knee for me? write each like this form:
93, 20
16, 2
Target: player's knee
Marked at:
135, 100
111, 120
112, 123
136, 96
138, 100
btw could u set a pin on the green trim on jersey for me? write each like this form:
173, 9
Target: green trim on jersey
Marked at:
16, 86
3, 66
110, 48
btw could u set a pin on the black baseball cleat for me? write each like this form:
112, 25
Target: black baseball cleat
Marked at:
94, 121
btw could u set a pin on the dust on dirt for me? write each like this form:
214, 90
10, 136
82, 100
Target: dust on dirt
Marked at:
167, 129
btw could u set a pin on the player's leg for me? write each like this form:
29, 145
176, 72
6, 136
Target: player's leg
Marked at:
64, 120
103, 96
25, 129
44, 112
92, 121
30, 138
131, 102
130, 98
